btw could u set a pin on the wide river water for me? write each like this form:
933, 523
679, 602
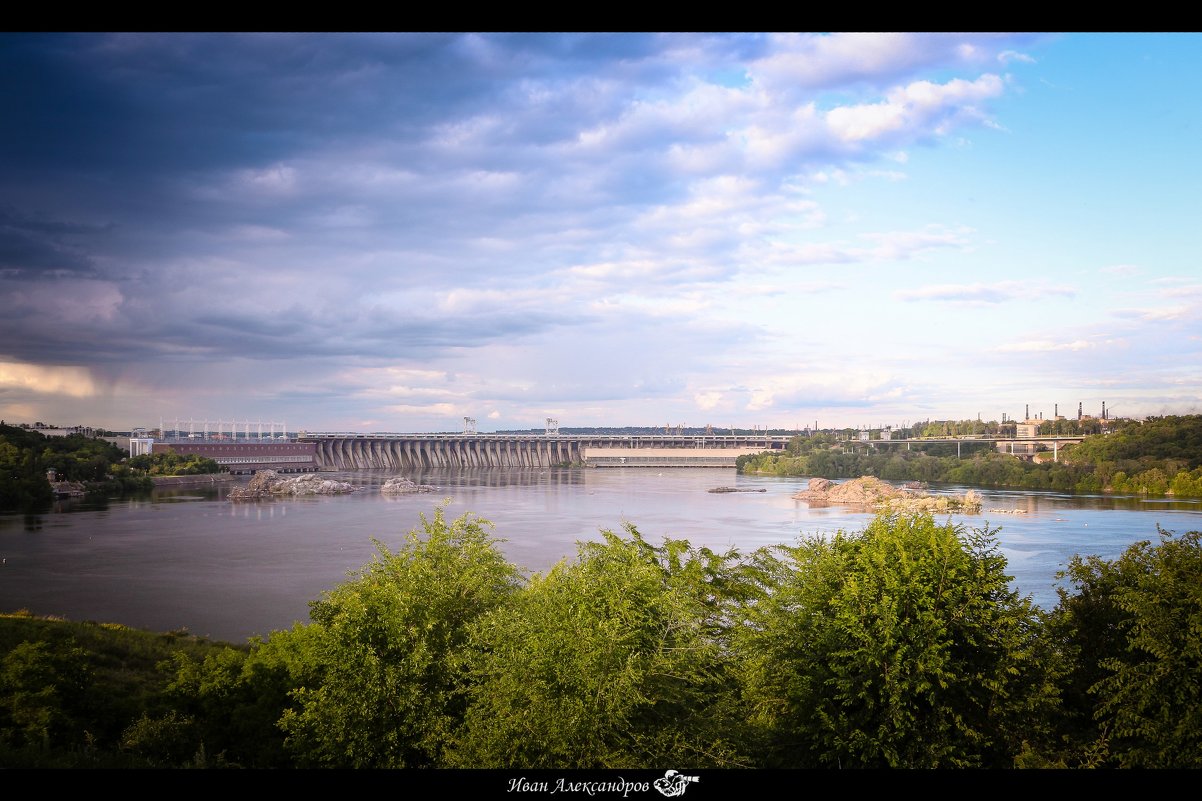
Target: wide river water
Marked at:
191, 559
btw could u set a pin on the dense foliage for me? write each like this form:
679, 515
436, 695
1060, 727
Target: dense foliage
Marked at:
172, 464
387, 649
901, 645
619, 659
1164, 439
1133, 630
97, 465
78, 694
1160, 456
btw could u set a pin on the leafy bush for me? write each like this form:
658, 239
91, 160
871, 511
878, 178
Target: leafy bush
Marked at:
901, 646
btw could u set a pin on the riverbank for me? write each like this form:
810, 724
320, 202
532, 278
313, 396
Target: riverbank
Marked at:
204, 479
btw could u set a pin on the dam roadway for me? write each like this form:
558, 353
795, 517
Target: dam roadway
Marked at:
352, 451
355, 451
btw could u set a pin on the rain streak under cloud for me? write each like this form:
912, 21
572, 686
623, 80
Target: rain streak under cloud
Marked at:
390, 232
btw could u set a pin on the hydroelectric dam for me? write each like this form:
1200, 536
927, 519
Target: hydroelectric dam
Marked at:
351, 451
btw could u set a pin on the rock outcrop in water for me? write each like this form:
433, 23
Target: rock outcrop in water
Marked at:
403, 486
68, 489
268, 484
870, 492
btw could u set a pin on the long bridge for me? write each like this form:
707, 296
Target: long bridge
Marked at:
1015, 446
353, 451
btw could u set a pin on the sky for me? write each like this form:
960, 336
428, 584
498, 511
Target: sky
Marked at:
394, 232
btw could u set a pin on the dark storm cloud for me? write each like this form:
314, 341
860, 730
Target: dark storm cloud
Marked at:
182, 102
142, 130
32, 248
370, 338
195, 101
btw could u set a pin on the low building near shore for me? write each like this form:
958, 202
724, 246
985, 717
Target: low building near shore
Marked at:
664, 457
249, 457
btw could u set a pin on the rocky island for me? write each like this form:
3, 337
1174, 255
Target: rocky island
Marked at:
268, 484
403, 486
870, 492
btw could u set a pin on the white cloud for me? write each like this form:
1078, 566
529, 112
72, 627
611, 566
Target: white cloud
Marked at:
1188, 291
1046, 346
1008, 56
1160, 313
905, 244
982, 293
819, 385
806, 61
915, 108
75, 382
688, 307
429, 410
1125, 270
760, 399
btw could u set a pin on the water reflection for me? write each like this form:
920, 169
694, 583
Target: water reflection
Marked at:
189, 557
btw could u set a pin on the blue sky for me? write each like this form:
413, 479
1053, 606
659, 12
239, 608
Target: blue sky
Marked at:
389, 233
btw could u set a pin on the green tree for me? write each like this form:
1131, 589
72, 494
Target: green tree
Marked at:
166, 741
384, 649
1134, 629
901, 646
236, 697
23, 483
616, 660
43, 694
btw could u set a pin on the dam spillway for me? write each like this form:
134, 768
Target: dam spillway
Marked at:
423, 451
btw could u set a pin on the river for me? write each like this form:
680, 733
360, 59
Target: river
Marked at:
189, 558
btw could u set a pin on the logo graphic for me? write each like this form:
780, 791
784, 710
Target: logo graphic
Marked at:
674, 784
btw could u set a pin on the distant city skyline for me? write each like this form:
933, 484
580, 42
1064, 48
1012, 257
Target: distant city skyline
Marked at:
393, 232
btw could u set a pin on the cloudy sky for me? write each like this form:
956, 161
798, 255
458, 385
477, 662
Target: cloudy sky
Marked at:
389, 233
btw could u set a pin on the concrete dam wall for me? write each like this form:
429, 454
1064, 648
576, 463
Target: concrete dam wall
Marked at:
416, 452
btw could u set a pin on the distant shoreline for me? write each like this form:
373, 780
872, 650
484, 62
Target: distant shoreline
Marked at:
188, 481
